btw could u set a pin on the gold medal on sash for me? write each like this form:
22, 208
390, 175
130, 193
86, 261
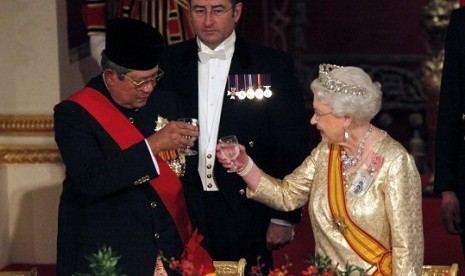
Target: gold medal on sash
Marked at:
175, 160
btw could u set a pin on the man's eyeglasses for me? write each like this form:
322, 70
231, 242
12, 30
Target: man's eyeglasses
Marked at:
202, 12
143, 83
318, 115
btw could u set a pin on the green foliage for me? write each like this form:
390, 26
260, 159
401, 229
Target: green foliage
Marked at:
323, 265
102, 263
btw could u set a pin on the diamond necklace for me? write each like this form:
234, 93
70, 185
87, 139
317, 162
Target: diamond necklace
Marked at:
351, 161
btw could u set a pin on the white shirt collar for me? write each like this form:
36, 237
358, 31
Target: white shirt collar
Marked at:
227, 45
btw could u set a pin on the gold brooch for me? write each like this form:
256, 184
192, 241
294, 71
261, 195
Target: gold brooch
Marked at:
339, 224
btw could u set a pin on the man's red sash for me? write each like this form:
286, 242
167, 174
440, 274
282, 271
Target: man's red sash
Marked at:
167, 185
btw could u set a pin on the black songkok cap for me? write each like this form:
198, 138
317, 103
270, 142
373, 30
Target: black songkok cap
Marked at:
133, 44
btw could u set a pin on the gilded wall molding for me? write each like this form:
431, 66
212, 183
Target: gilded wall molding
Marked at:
29, 154
26, 124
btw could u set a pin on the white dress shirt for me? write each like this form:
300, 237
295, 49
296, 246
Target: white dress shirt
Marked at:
212, 77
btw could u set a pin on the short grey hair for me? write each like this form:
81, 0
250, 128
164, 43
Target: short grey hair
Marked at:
363, 108
106, 63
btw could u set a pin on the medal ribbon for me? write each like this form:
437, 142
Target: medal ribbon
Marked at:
167, 184
363, 244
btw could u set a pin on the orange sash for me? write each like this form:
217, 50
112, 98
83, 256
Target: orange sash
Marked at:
363, 244
167, 184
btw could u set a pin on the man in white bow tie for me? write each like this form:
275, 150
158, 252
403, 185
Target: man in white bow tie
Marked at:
206, 56
274, 130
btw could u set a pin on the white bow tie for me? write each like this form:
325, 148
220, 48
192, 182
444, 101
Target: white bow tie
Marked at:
219, 54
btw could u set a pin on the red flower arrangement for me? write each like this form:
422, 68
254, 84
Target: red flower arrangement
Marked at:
318, 266
105, 261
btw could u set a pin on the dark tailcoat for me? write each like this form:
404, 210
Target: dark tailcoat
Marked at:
450, 138
274, 132
100, 204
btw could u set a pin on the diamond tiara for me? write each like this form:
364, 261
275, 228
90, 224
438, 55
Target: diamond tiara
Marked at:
337, 86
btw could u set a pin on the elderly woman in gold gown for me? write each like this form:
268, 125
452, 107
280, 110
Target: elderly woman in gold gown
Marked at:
363, 187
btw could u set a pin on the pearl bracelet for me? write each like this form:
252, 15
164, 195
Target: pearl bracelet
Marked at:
247, 168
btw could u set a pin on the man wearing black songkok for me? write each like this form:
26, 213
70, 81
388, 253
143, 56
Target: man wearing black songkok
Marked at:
107, 139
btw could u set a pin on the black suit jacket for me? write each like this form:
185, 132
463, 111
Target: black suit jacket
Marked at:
274, 130
450, 138
99, 204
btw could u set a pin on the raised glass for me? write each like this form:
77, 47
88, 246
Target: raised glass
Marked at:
187, 150
229, 149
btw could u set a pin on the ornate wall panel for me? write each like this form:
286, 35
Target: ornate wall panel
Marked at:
26, 124
369, 38
17, 127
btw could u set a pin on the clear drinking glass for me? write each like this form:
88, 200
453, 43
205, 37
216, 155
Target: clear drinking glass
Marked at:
187, 150
229, 148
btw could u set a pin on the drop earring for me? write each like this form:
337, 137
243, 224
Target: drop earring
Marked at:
346, 135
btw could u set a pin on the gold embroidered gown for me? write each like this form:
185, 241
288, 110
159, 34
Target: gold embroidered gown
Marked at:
390, 210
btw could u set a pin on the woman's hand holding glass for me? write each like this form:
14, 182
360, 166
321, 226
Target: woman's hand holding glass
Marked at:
231, 154
242, 164
229, 149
